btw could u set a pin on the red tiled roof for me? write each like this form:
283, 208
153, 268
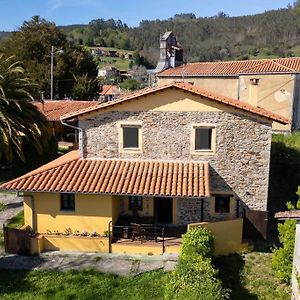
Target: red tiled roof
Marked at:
290, 214
189, 88
53, 110
234, 68
109, 90
70, 173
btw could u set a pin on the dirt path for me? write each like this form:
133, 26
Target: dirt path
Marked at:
13, 206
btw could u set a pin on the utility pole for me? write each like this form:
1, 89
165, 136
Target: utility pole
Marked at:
52, 58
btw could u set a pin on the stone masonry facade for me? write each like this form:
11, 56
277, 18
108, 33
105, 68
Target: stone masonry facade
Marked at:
240, 164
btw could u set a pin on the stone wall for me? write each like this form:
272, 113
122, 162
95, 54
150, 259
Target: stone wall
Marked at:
241, 161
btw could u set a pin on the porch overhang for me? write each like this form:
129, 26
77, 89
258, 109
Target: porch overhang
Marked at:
71, 174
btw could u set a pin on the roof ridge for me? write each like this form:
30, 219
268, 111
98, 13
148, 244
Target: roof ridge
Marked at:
187, 87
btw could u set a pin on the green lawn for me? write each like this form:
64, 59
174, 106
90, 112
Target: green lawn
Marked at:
17, 221
250, 277
121, 64
79, 285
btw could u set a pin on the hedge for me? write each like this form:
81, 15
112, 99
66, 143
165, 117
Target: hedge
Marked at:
195, 276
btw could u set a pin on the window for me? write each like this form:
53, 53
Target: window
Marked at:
136, 201
222, 203
130, 139
203, 139
67, 202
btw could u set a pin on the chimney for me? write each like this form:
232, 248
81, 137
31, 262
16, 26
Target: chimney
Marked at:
253, 91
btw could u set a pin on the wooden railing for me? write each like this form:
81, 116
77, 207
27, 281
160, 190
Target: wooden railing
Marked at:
136, 232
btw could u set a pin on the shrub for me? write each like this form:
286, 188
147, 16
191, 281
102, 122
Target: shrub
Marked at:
197, 241
194, 276
282, 260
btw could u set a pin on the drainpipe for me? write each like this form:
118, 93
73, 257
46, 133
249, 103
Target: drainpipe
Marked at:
80, 136
239, 87
20, 194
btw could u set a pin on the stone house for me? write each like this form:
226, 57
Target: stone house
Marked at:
272, 84
169, 156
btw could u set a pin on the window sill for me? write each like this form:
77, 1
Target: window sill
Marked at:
203, 152
67, 211
131, 150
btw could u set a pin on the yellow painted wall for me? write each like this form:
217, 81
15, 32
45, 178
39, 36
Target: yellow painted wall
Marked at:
92, 213
273, 92
27, 211
224, 86
228, 235
148, 207
77, 243
172, 100
229, 215
115, 209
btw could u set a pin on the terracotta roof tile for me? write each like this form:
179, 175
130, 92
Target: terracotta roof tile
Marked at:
109, 90
290, 214
234, 68
53, 110
189, 88
70, 173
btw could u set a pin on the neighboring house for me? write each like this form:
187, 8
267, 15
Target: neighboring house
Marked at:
272, 84
169, 156
108, 92
53, 110
108, 72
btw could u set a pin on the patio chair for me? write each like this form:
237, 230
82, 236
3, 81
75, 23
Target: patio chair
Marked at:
138, 233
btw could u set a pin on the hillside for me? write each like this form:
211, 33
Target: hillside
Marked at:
274, 33
271, 34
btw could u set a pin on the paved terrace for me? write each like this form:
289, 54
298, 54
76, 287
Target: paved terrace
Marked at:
119, 264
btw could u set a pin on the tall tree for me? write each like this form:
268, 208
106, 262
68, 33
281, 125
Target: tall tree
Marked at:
21, 125
32, 45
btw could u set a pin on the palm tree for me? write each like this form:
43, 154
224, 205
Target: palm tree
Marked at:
20, 122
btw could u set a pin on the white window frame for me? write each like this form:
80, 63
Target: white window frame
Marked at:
130, 125
211, 151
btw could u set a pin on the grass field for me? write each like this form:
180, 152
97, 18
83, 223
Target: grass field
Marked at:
250, 277
79, 285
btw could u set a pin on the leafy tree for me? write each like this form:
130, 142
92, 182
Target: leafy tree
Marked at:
32, 45
22, 126
84, 87
130, 85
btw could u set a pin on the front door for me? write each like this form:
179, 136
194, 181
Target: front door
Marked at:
163, 210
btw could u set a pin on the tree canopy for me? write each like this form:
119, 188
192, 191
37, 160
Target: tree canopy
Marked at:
24, 131
32, 44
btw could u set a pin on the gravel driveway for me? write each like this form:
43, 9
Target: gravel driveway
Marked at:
13, 206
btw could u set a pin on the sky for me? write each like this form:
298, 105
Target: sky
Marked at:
67, 12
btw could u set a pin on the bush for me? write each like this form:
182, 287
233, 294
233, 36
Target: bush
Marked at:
282, 260
197, 241
195, 277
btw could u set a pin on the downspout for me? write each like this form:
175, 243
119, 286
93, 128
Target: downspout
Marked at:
20, 194
80, 136
239, 87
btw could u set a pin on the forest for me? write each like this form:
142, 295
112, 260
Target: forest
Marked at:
273, 33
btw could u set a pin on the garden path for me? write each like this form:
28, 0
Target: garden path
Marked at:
119, 264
